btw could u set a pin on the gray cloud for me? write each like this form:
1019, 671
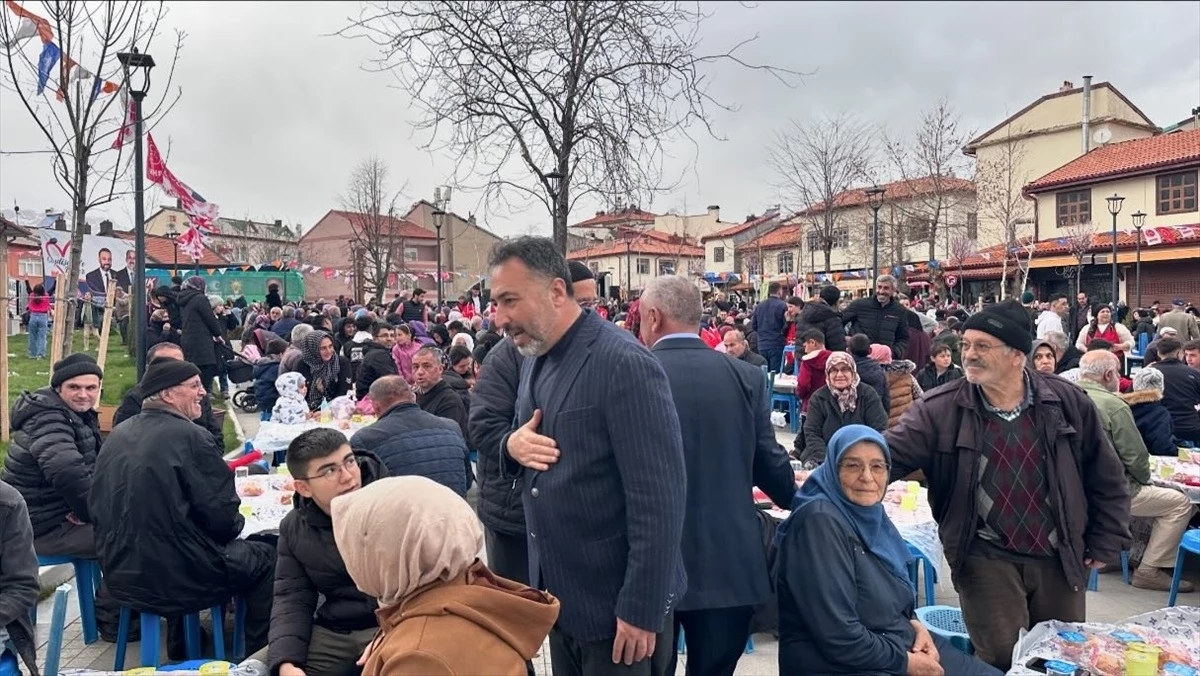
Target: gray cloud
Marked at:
275, 114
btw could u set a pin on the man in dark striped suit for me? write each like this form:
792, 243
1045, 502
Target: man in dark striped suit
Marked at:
729, 447
600, 449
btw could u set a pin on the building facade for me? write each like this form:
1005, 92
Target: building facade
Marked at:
238, 240
339, 241
466, 246
721, 255
634, 258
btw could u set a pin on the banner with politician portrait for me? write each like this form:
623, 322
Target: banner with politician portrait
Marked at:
106, 260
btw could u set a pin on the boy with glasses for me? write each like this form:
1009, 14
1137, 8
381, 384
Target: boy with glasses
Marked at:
306, 638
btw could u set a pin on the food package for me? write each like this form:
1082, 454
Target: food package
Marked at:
251, 489
342, 408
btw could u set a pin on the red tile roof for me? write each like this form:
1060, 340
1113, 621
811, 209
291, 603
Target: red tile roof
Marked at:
629, 215
896, 190
741, 227
402, 228
1101, 241
652, 246
1125, 158
161, 250
787, 235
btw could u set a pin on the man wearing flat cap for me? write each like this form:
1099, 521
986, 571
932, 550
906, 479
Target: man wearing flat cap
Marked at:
1027, 490
166, 511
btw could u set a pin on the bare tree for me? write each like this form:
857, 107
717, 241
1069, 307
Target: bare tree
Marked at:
80, 107
1078, 239
815, 162
375, 244
931, 164
999, 182
588, 90
961, 248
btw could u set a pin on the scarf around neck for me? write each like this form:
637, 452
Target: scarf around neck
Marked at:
325, 372
847, 399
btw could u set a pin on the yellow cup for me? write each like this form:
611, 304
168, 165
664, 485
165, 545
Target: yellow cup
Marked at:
246, 511
1166, 470
912, 487
908, 502
1141, 660
1185, 455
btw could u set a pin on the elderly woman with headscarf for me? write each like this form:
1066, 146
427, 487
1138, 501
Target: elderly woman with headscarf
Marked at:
413, 544
856, 616
1044, 357
844, 400
326, 372
1151, 416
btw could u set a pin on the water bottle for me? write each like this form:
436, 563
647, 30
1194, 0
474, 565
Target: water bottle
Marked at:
250, 667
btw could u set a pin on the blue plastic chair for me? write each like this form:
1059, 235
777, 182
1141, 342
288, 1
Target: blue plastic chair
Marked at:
58, 623
1189, 543
947, 622
918, 561
1094, 576
151, 626
791, 405
87, 581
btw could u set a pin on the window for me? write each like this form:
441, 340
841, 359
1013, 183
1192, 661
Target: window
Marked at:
1074, 207
972, 225
785, 263
718, 254
814, 242
594, 266
410, 254
665, 267
30, 266
643, 266
918, 229
1176, 193
841, 238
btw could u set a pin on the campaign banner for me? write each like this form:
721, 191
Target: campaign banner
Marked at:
105, 260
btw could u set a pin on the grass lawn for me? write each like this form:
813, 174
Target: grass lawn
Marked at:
120, 374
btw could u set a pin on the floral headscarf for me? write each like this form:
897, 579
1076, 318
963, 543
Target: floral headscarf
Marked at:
848, 398
323, 372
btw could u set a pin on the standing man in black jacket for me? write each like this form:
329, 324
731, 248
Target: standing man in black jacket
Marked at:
308, 639
375, 358
881, 317
131, 403
768, 320
200, 330
434, 394
822, 314
718, 400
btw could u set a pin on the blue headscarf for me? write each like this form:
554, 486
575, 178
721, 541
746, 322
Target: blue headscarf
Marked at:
871, 524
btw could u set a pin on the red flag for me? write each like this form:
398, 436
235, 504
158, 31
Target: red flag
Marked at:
127, 128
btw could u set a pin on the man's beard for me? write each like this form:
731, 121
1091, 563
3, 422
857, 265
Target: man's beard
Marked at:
535, 348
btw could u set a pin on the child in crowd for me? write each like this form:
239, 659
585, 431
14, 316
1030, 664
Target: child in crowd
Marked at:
940, 369
291, 408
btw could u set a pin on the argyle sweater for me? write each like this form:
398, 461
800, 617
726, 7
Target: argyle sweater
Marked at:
1013, 497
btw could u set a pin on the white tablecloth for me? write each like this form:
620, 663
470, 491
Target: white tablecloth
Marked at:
273, 436
1185, 476
264, 512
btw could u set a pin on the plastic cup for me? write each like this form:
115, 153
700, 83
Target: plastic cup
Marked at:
241, 473
246, 511
1185, 455
1141, 660
908, 502
1166, 470
912, 487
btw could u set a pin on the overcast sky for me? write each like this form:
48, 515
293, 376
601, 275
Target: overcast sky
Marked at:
275, 113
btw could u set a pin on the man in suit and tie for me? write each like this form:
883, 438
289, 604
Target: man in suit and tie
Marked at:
729, 447
97, 280
124, 276
603, 471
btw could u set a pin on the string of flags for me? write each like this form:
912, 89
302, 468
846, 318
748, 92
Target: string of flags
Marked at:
52, 55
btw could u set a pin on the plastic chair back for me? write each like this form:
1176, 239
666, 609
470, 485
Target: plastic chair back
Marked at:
58, 623
1143, 342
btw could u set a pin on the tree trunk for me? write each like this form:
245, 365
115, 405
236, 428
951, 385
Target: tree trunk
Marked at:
75, 263
827, 249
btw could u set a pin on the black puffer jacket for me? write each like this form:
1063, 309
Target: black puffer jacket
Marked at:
51, 458
493, 406
818, 315
411, 442
18, 576
309, 567
163, 501
883, 324
200, 326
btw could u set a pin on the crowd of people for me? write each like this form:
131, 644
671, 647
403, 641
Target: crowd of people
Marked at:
617, 447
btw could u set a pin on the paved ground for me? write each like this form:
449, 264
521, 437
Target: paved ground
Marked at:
1115, 601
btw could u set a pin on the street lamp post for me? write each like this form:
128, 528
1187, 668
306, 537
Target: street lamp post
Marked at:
1114, 208
1139, 222
173, 235
438, 217
134, 60
875, 200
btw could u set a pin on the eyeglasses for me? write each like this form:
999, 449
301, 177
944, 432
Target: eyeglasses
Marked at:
979, 348
841, 369
332, 470
855, 468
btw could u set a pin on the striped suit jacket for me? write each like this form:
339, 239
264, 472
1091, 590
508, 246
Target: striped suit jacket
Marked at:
604, 523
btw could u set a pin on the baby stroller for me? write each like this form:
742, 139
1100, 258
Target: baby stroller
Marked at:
239, 369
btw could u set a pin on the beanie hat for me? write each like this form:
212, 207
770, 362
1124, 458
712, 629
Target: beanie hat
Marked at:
1027, 298
1148, 379
831, 294
196, 283
72, 365
881, 353
1007, 321
163, 373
